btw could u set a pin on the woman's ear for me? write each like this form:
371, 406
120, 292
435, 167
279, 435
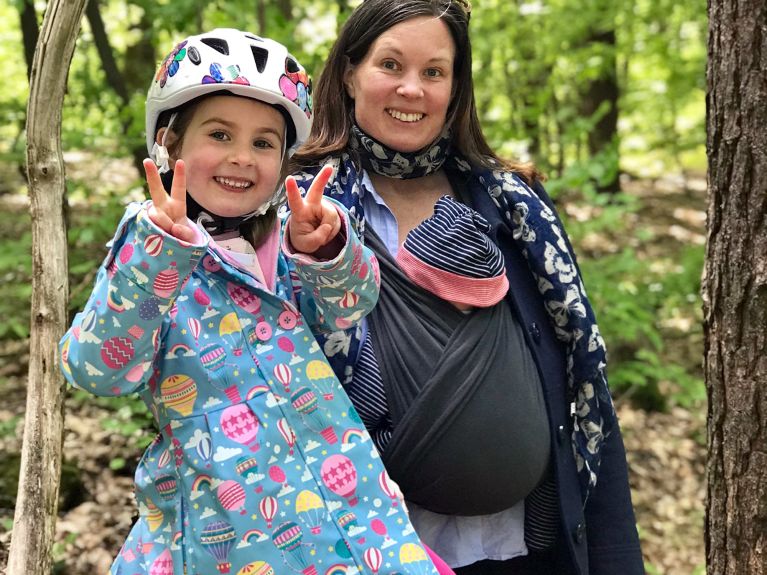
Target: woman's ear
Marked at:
349, 80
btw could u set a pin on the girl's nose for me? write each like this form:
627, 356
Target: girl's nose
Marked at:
242, 155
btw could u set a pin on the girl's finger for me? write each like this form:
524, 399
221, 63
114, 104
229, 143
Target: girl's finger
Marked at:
183, 232
314, 195
161, 219
178, 188
295, 202
156, 189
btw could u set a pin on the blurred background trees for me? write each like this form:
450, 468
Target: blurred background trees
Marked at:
607, 97
599, 94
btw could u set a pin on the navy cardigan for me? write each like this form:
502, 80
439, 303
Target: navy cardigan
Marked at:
602, 539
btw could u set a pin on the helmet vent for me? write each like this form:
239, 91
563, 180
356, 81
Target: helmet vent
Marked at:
256, 38
291, 65
260, 55
218, 44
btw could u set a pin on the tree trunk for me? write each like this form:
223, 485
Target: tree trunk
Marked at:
106, 54
601, 97
735, 289
36, 504
29, 32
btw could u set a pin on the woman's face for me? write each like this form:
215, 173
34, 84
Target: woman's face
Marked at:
402, 88
233, 153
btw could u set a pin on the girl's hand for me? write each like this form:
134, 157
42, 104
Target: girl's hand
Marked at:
169, 212
314, 222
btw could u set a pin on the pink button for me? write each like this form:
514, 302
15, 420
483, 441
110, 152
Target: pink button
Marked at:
263, 331
287, 320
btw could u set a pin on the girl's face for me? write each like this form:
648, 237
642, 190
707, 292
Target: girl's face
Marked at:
402, 88
233, 149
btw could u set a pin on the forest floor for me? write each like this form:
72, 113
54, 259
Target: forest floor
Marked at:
666, 450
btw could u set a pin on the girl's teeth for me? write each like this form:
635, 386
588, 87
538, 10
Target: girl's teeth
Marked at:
233, 183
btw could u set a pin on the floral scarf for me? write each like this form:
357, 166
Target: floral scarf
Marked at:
538, 233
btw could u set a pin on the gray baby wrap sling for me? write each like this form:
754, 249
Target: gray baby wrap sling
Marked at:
470, 428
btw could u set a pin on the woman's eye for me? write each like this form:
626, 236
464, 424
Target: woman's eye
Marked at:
389, 65
433, 73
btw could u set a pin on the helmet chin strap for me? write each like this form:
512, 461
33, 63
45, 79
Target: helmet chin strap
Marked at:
160, 151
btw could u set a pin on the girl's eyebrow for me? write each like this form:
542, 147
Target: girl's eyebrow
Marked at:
229, 124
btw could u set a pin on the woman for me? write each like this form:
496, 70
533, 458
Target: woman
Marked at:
480, 374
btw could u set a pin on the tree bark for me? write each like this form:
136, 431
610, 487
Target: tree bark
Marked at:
29, 32
37, 500
601, 93
735, 289
106, 54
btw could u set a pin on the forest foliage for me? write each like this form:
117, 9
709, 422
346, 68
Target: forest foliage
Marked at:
598, 94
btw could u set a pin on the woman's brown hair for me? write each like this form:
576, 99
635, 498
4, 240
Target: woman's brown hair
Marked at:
333, 108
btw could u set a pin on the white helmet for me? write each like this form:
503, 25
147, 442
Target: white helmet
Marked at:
231, 60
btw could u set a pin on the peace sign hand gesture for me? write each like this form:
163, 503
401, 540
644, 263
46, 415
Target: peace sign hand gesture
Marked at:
169, 212
314, 222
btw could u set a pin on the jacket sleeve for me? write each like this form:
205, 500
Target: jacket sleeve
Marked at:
610, 524
338, 293
112, 343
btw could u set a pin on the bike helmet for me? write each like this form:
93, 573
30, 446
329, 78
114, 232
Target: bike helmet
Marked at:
237, 62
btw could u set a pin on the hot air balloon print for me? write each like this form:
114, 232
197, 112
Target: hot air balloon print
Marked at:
373, 559
268, 508
166, 282
305, 402
340, 476
256, 568
153, 245
213, 358
154, 517
217, 539
286, 344
310, 510
231, 495
116, 352
204, 447
194, 328
240, 424
276, 474
415, 558
178, 392
389, 487
321, 375
230, 327
166, 486
284, 375
162, 565
244, 298
246, 467
288, 538
287, 433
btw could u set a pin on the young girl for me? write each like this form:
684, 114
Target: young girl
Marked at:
201, 306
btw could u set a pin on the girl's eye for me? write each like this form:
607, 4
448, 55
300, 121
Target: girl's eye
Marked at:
263, 144
219, 135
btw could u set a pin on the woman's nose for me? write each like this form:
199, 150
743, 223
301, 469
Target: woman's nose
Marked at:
410, 87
